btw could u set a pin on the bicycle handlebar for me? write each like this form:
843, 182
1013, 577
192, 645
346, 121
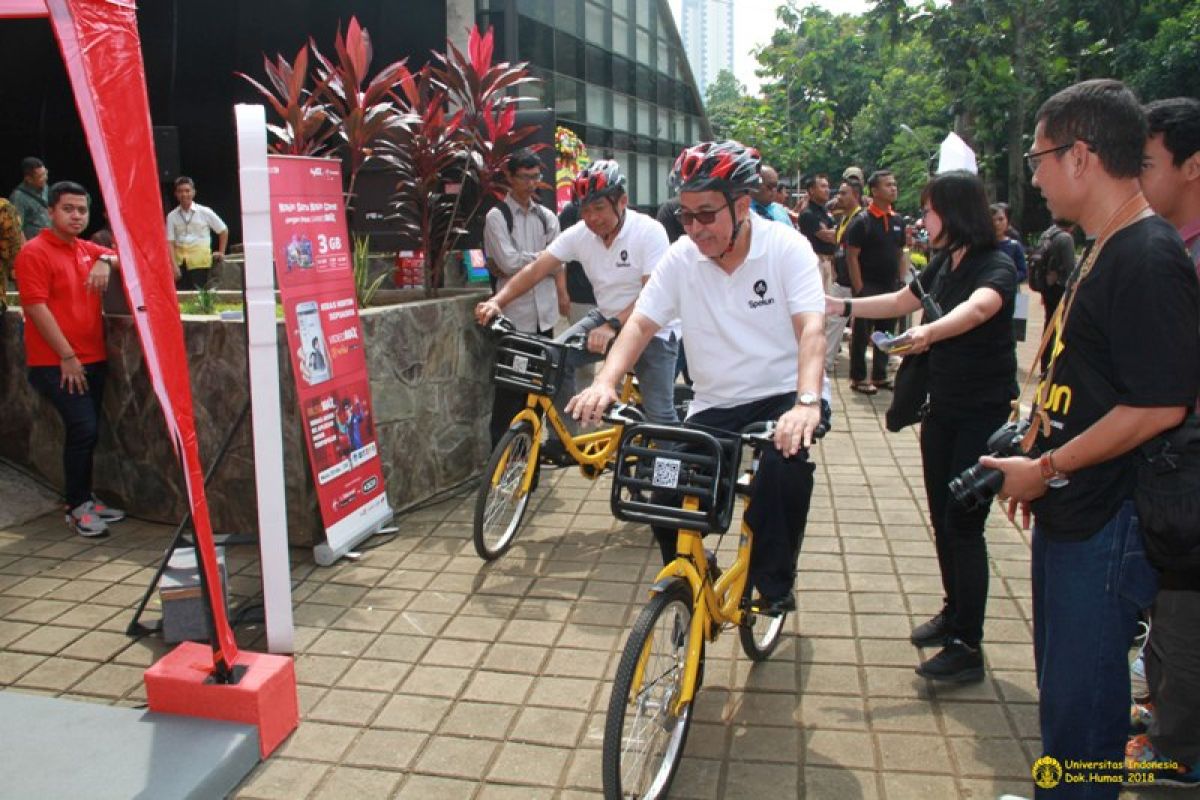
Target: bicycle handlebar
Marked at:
574, 337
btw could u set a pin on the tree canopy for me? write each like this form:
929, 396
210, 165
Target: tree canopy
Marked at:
883, 88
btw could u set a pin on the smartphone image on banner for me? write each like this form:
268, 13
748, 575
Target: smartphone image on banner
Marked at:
312, 342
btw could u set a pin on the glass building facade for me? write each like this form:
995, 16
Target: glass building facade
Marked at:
614, 71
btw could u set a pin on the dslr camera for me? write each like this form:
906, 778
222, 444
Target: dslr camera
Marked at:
977, 484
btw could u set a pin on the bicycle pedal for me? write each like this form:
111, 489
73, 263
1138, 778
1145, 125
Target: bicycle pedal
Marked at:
773, 608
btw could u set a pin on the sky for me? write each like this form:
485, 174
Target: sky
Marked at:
754, 22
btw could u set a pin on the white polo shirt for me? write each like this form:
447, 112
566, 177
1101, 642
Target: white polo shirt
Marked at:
738, 328
190, 234
615, 272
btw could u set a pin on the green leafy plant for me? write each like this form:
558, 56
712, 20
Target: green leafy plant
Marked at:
206, 301
364, 287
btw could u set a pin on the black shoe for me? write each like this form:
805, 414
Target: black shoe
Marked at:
774, 607
933, 632
554, 454
955, 663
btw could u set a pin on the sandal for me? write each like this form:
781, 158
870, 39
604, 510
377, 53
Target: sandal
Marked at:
863, 388
883, 385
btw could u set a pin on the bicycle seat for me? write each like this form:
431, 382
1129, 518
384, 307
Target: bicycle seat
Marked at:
659, 465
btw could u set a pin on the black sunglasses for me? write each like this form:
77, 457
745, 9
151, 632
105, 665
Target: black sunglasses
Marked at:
686, 218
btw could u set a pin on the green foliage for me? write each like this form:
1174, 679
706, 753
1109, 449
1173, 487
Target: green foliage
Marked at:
837, 87
364, 287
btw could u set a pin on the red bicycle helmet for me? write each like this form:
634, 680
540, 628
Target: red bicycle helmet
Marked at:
599, 179
728, 167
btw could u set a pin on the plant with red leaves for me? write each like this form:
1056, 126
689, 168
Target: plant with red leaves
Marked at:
448, 164
362, 111
307, 126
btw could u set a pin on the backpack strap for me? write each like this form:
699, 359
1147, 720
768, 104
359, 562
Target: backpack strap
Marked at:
506, 212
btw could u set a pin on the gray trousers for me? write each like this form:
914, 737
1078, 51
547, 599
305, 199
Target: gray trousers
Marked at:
1173, 673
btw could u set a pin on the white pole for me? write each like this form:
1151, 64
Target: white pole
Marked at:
264, 377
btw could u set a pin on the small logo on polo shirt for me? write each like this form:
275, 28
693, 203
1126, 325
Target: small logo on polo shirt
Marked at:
623, 261
760, 289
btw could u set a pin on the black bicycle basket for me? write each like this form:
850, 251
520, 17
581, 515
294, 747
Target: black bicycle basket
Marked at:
657, 466
529, 364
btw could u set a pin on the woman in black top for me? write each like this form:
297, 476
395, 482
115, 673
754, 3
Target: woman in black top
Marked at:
972, 380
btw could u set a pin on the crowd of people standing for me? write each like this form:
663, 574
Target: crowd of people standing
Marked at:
761, 290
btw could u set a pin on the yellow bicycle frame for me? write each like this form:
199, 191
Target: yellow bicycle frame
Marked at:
592, 449
711, 602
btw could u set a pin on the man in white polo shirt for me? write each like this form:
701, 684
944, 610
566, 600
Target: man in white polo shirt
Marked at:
748, 293
619, 249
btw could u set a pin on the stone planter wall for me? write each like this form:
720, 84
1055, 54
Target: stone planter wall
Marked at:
430, 367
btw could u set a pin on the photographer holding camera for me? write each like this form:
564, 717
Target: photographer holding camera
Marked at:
972, 380
1124, 368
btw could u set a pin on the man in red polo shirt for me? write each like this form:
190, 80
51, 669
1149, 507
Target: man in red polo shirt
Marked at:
62, 279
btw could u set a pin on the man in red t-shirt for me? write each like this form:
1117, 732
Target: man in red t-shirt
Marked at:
62, 279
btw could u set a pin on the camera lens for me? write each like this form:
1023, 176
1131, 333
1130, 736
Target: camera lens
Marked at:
976, 486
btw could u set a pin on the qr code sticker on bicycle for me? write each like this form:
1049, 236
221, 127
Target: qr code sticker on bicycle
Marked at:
521, 364
666, 473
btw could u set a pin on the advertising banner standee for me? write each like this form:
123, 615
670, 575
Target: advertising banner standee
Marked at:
314, 270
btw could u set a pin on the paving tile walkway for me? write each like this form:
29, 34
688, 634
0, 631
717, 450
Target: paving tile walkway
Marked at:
425, 674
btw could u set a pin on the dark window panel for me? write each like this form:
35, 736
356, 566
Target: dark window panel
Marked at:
568, 54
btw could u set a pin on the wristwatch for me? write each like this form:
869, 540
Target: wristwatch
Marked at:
614, 323
1050, 473
807, 399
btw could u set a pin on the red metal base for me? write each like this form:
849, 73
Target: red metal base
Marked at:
264, 697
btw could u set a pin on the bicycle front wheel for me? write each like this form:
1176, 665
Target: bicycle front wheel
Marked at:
643, 735
760, 633
500, 503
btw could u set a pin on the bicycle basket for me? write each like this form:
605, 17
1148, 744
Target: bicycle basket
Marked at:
657, 466
529, 365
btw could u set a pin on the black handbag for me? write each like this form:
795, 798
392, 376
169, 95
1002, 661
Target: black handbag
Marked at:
1167, 496
910, 386
910, 393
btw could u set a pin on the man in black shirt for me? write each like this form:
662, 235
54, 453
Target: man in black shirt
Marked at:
817, 224
877, 264
1125, 368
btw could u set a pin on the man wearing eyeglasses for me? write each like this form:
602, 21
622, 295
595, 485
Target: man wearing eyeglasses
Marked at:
748, 294
1124, 369
512, 241
619, 249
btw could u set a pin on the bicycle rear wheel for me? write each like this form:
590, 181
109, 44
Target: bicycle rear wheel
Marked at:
759, 633
500, 503
643, 736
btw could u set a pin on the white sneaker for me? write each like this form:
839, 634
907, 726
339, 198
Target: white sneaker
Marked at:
106, 512
86, 522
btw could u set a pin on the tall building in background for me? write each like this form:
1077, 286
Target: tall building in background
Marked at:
615, 73
707, 32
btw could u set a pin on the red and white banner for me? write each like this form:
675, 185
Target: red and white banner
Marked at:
314, 269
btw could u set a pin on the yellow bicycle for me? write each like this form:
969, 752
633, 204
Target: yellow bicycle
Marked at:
532, 364
691, 601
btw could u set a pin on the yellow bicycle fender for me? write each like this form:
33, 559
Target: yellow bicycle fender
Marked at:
691, 668
526, 415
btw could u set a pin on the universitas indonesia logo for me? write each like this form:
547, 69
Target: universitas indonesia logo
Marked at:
1047, 772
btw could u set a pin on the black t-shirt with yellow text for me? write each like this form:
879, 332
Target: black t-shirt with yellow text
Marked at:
1131, 339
